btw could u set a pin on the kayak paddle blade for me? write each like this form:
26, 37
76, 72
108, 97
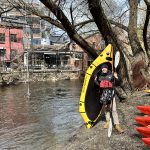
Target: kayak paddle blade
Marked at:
110, 128
117, 59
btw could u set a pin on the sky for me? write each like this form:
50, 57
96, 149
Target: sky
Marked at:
123, 6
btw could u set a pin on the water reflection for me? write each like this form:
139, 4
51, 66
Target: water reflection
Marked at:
47, 117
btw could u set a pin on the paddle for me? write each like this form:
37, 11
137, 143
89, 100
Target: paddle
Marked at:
116, 63
110, 127
117, 59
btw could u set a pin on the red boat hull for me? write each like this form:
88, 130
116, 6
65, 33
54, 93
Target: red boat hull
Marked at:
145, 131
146, 141
145, 121
144, 109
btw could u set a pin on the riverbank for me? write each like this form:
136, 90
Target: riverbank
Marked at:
15, 77
96, 138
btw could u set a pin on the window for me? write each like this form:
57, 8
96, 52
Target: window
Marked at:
43, 35
13, 37
36, 41
2, 37
78, 56
36, 30
2, 52
13, 53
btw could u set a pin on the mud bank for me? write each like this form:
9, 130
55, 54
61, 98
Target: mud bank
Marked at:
8, 78
96, 138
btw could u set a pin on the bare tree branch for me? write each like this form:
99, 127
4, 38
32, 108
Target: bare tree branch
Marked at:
111, 21
91, 35
121, 26
30, 9
147, 2
5, 7
5, 11
91, 31
69, 28
71, 13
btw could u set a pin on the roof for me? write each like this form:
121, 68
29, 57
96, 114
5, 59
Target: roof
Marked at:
52, 49
10, 25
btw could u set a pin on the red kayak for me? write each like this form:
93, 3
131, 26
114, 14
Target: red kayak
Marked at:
145, 121
145, 131
146, 141
144, 109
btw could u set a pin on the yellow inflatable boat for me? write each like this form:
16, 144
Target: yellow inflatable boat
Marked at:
89, 106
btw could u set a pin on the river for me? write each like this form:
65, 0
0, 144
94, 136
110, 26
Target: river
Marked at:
48, 116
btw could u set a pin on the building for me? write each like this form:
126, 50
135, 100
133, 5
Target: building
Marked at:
54, 57
11, 42
36, 31
96, 41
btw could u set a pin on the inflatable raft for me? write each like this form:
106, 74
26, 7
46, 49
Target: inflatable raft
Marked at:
146, 141
145, 131
145, 121
89, 106
144, 109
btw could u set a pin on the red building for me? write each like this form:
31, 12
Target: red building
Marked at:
11, 42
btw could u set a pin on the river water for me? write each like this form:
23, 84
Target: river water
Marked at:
47, 117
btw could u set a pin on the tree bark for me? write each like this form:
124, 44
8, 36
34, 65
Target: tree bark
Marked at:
102, 23
132, 28
147, 48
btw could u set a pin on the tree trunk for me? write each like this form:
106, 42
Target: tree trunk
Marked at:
147, 48
109, 36
139, 60
140, 76
132, 28
103, 24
